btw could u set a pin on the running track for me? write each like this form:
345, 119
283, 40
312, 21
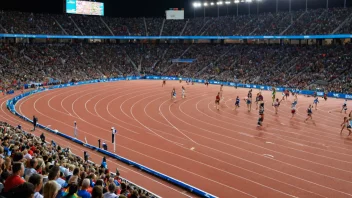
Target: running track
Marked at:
221, 152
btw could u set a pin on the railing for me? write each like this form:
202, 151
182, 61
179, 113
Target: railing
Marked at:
43, 36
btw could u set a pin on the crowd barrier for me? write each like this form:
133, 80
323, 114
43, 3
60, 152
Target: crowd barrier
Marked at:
43, 36
11, 106
252, 86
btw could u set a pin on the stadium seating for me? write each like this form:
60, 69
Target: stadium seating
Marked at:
319, 21
286, 65
51, 160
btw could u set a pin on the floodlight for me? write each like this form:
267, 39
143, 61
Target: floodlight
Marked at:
227, 2
220, 2
248, 1
195, 4
205, 4
237, 1
212, 3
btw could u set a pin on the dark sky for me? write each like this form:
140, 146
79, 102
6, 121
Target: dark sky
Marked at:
137, 8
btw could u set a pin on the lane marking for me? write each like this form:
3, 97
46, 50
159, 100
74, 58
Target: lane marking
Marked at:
268, 156
246, 134
269, 142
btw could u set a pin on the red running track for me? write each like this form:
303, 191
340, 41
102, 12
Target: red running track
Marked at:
222, 152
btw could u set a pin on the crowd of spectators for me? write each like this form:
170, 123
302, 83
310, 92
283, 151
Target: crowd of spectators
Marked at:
318, 21
277, 65
31, 167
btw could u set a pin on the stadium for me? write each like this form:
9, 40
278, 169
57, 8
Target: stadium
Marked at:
179, 98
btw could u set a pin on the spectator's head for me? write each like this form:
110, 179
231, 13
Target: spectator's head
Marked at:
97, 192
134, 194
51, 189
112, 187
33, 163
17, 157
25, 190
76, 171
72, 190
85, 184
18, 168
37, 181
99, 182
54, 173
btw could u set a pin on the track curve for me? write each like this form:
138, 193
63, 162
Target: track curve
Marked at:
221, 152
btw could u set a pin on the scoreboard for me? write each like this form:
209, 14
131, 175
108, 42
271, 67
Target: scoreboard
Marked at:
84, 7
175, 14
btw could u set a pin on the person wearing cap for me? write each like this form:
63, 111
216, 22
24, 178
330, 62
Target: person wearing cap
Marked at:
75, 129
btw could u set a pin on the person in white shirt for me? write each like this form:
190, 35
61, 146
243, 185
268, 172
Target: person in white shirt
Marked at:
27, 155
111, 193
37, 181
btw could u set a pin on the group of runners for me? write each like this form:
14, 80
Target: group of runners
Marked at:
347, 123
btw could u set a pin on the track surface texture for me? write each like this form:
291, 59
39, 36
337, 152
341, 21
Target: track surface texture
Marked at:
220, 151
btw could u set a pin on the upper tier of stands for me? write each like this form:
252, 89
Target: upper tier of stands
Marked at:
319, 21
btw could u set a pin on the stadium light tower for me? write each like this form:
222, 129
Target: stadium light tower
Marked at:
306, 5
227, 6
289, 8
219, 3
277, 6
237, 2
204, 5
249, 6
258, 6
196, 5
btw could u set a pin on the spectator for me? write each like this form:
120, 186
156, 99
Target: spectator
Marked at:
111, 193
97, 192
15, 179
37, 181
72, 191
54, 174
83, 192
61, 181
51, 189
30, 170
25, 190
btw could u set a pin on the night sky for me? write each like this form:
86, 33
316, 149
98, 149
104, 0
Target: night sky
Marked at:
156, 8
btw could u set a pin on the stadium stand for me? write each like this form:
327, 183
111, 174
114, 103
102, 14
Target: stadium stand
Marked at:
288, 65
55, 168
319, 21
